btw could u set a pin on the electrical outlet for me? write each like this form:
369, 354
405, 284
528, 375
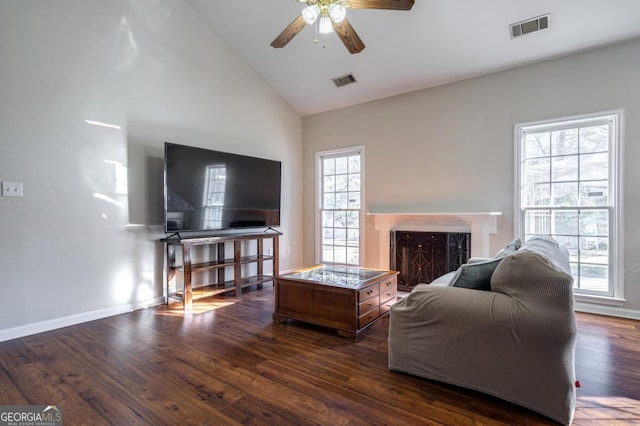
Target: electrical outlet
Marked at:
12, 189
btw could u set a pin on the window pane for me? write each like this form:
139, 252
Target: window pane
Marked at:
564, 142
329, 184
538, 170
353, 237
329, 166
353, 219
354, 164
597, 251
340, 255
329, 201
341, 183
537, 145
594, 277
353, 255
341, 165
340, 219
354, 200
327, 219
327, 235
565, 222
341, 200
538, 195
594, 166
538, 222
594, 222
327, 254
594, 193
571, 243
354, 182
565, 194
564, 168
594, 138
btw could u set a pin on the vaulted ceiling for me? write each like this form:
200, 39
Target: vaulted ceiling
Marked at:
436, 42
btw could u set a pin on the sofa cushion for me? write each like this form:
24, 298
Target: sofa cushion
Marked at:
475, 275
510, 248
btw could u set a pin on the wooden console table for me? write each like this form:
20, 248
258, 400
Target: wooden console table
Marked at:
218, 262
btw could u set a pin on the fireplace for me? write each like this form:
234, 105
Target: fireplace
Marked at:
474, 228
421, 257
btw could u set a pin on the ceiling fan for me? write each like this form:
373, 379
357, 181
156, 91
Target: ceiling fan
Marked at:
331, 16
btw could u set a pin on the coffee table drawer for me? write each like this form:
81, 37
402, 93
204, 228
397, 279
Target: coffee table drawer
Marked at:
368, 304
388, 284
367, 317
387, 294
385, 306
368, 292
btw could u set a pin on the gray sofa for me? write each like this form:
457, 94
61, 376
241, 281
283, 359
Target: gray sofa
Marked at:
514, 340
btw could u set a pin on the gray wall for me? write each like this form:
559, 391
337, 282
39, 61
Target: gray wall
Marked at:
76, 247
451, 148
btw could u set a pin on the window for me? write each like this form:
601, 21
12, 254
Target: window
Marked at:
339, 185
569, 188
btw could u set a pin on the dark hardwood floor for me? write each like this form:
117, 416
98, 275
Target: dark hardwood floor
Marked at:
229, 364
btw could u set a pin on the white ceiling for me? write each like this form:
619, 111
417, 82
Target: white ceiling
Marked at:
437, 42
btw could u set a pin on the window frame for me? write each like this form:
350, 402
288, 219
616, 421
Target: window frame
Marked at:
339, 152
615, 205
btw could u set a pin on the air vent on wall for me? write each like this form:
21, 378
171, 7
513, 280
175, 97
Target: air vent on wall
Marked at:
529, 26
344, 80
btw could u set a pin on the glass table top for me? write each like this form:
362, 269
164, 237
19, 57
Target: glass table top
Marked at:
337, 275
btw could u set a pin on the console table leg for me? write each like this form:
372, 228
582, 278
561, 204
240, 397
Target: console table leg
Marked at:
186, 263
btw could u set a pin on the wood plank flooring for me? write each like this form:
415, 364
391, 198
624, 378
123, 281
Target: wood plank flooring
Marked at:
228, 363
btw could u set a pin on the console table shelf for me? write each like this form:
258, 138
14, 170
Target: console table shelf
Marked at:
216, 262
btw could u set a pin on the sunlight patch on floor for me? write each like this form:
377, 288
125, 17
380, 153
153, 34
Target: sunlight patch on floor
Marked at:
607, 410
198, 307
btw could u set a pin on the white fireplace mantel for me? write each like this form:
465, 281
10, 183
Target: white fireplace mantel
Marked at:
480, 224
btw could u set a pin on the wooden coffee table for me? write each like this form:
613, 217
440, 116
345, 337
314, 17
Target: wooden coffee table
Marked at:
348, 299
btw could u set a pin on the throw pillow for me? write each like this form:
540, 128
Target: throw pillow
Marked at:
510, 248
475, 275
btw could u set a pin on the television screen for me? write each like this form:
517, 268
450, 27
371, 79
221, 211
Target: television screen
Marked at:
208, 190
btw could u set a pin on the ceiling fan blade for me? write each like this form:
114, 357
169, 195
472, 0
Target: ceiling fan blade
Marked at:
349, 37
381, 4
290, 32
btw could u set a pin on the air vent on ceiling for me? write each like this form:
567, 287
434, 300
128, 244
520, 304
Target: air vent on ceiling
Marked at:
529, 26
344, 80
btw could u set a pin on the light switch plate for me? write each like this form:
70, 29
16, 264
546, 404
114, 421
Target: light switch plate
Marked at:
12, 189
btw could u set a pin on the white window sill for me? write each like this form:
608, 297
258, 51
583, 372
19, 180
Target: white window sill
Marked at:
599, 300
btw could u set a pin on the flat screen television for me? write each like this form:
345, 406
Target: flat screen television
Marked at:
207, 190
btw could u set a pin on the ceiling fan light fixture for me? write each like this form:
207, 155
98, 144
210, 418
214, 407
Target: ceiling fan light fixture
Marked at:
311, 13
325, 26
337, 12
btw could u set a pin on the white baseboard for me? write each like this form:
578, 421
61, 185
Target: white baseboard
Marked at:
40, 327
612, 311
